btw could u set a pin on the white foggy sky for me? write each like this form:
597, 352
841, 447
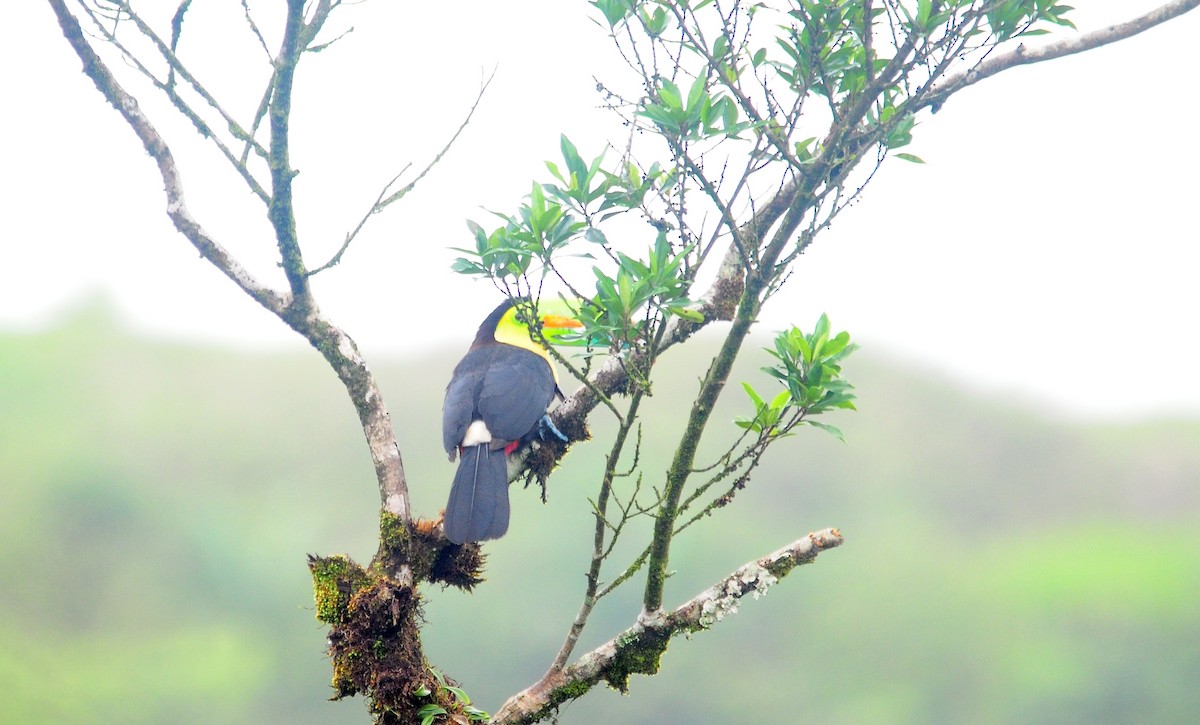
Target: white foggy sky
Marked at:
1051, 237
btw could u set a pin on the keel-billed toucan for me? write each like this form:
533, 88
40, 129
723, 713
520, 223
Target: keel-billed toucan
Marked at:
496, 402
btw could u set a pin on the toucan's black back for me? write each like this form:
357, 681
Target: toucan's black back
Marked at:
506, 387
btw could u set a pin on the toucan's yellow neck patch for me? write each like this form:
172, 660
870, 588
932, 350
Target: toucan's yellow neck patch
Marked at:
559, 326
512, 331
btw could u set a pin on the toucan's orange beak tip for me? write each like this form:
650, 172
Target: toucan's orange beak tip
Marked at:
561, 321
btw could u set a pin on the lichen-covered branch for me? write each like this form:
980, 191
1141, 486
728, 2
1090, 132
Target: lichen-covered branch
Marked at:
343, 356
1022, 55
639, 648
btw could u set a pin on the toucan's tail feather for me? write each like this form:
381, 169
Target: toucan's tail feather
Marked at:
478, 505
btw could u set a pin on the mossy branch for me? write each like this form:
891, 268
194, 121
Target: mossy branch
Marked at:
282, 211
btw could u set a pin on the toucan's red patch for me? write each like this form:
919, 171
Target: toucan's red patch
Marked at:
508, 449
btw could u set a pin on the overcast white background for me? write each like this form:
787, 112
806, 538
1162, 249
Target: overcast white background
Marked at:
1047, 250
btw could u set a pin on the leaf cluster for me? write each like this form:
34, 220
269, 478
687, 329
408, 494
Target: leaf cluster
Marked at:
563, 219
809, 365
702, 114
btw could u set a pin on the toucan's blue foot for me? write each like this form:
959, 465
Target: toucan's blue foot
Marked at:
546, 428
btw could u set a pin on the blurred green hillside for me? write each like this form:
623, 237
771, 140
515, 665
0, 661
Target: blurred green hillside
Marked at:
157, 501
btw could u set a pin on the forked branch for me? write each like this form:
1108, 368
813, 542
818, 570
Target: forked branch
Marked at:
337, 347
154, 144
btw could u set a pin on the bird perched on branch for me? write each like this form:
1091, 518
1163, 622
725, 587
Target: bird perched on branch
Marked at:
495, 403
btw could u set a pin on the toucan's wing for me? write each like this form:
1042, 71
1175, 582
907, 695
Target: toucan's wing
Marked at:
517, 388
459, 410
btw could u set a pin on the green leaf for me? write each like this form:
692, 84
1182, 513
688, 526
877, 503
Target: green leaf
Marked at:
462, 265
805, 349
721, 46
924, 8
655, 22
696, 93
832, 430
910, 157
429, 713
835, 346
758, 401
573, 160
669, 93
615, 11
686, 314
803, 152
822, 328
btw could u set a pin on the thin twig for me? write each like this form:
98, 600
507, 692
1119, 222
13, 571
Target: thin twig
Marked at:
254, 29
599, 538
384, 199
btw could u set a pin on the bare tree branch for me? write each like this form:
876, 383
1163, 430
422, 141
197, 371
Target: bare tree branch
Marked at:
154, 144
170, 88
599, 549
176, 33
333, 343
173, 62
637, 649
1022, 55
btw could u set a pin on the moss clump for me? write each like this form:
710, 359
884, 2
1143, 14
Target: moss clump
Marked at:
396, 548
374, 617
541, 460
427, 552
458, 566
376, 650
335, 581
393, 535
637, 653
568, 692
